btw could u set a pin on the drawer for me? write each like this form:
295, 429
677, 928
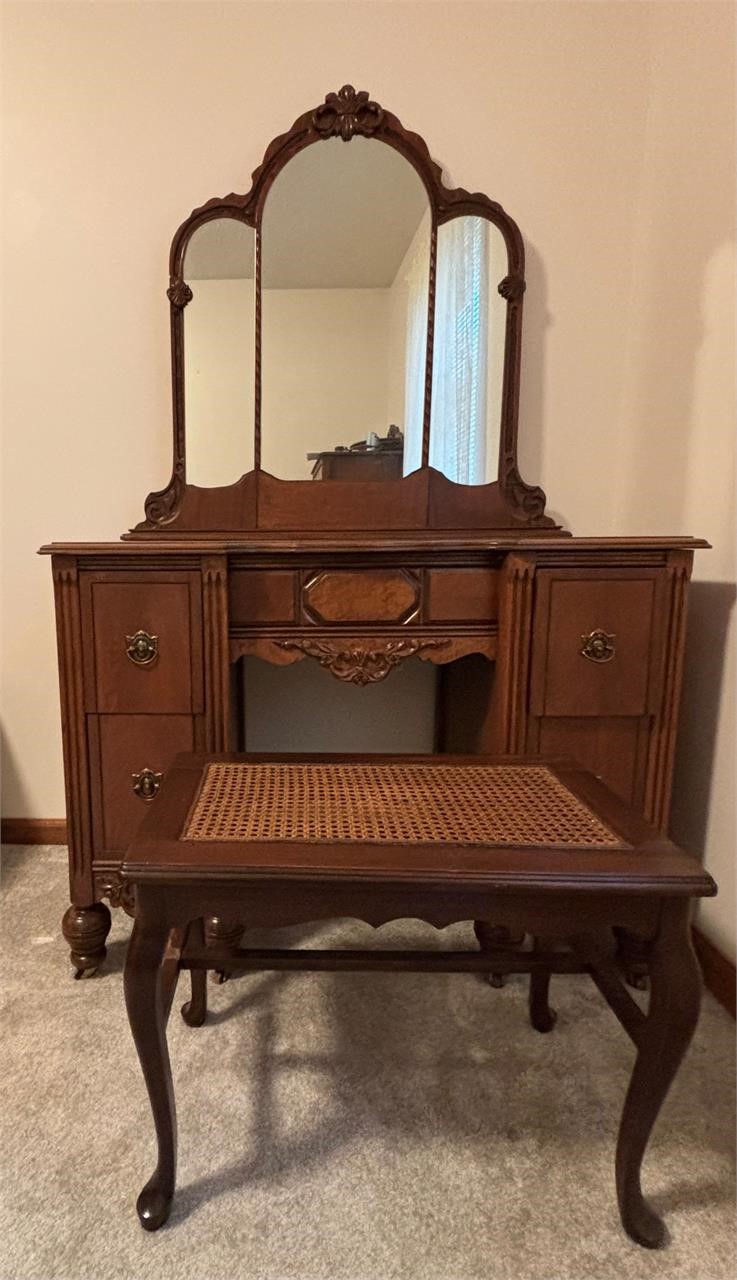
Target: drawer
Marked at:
121, 746
260, 596
164, 674
613, 748
462, 595
596, 643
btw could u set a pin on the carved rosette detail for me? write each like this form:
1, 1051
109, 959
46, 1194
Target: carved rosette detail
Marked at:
178, 293
511, 288
347, 112
358, 664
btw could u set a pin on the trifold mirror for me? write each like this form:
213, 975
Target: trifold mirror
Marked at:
350, 320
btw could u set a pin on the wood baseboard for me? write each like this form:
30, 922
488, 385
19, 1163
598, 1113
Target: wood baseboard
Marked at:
718, 971
33, 830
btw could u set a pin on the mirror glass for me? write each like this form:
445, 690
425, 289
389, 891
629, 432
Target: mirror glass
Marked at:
468, 351
219, 352
345, 241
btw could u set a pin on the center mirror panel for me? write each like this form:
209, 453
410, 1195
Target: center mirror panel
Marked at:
219, 328
345, 244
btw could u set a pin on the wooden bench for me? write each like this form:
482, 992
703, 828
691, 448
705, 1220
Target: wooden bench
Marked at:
535, 848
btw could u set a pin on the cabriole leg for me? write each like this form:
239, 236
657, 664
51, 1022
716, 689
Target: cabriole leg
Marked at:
148, 994
194, 1011
675, 995
85, 930
542, 1017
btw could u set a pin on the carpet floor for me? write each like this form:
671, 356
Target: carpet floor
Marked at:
341, 1126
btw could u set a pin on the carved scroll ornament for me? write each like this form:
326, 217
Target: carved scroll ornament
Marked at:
357, 663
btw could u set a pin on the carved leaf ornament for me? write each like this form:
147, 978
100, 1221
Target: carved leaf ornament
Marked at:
347, 112
359, 665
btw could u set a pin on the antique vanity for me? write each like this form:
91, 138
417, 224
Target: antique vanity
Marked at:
349, 291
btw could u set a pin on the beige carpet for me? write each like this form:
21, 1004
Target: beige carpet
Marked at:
341, 1127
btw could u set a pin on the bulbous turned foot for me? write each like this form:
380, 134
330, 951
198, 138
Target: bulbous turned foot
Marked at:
85, 930
153, 1205
223, 932
632, 955
495, 937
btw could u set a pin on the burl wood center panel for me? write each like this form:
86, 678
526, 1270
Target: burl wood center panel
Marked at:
363, 595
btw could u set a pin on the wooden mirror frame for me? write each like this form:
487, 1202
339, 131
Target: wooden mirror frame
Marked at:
425, 499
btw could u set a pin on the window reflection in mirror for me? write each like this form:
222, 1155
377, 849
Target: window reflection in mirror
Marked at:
345, 269
219, 353
468, 358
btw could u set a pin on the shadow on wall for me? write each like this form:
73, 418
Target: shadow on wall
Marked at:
537, 320
12, 780
710, 608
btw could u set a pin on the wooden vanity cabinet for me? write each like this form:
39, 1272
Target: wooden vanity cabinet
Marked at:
544, 642
556, 646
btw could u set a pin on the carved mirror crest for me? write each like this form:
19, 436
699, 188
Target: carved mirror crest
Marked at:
346, 344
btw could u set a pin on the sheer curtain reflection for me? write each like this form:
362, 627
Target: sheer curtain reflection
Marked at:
458, 425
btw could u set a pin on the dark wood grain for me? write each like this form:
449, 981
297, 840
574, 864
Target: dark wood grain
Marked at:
645, 883
33, 830
509, 502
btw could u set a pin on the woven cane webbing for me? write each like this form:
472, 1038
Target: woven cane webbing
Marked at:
392, 804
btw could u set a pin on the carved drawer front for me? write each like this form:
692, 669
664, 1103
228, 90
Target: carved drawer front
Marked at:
596, 643
129, 758
143, 636
335, 596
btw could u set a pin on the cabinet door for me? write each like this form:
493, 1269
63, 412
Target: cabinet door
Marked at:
164, 612
597, 670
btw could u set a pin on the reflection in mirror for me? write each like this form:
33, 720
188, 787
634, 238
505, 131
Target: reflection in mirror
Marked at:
468, 354
345, 267
219, 352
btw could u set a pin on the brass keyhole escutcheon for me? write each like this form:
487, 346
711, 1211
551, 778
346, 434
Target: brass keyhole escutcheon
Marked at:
598, 646
142, 648
147, 784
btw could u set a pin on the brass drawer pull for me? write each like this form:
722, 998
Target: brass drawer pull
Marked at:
142, 648
598, 646
146, 784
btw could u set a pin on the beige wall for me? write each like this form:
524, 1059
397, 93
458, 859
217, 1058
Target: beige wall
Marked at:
219, 360
324, 373
605, 128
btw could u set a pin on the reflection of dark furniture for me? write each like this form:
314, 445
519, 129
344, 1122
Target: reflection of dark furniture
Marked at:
355, 464
540, 847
